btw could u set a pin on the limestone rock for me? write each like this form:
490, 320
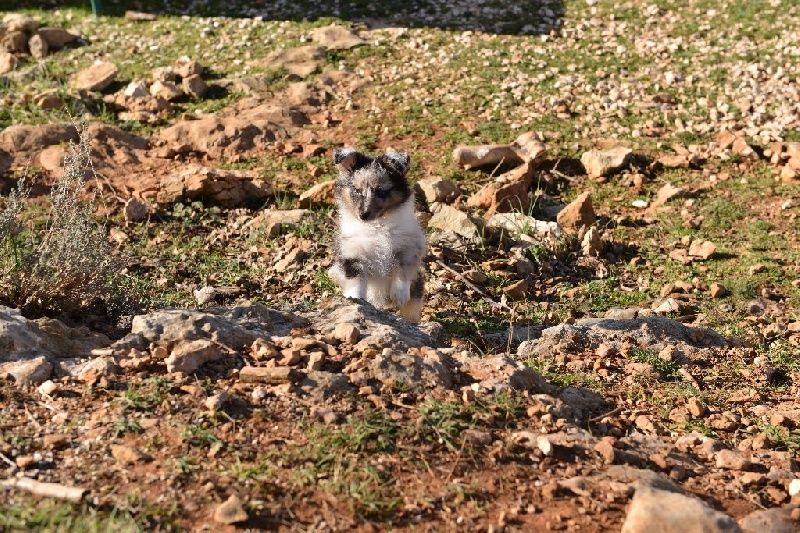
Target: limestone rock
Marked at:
335, 37
775, 520
165, 89
38, 46
8, 62
417, 373
21, 338
659, 511
301, 61
449, 219
29, 372
173, 327
527, 148
185, 66
602, 163
438, 190
235, 134
20, 22
592, 243
128, 454
578, 213
702, 249
667, 193
135, 210
194, 86
136, 89
319, 194
56, 37
95, 78
522, 224
230, 512
190, 356
226, 187
164, 75
275, 220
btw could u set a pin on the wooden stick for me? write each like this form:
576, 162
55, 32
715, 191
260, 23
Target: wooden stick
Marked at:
472, 286
47, 490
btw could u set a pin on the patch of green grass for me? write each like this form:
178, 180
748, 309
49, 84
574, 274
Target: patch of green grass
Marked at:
26, 514
146, 396
667, 369
126, 425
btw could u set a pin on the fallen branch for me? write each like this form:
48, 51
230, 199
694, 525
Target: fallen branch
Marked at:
47, 490
472, 286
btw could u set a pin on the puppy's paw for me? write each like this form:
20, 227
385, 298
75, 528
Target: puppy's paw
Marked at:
354, 288
401, 292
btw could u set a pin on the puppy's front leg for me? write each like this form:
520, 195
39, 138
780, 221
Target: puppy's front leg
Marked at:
352, 280
401, 290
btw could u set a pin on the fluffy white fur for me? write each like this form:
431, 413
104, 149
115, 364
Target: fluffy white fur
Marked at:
376, 243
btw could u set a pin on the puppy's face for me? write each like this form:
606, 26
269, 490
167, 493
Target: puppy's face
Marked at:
370, 186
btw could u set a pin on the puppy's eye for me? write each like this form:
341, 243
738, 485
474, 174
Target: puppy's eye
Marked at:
382, 193
356, 193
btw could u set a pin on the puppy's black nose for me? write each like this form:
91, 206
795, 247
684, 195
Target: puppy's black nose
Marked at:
364, 215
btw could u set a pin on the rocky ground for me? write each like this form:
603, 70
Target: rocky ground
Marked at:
611, 333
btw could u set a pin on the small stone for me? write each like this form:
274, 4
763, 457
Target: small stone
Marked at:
230, 512
8, 62
718, 290
757, 268
289, 357
702, 249
38, 46
128, 454
653, 510
794, 487
645, 423
602, 163
135, 210
347, 333
217, 401
592, 244
743, 149
696, 408
270, 376
25, 462
190, 356
185, 67
95, 78
733, 460
518, 290
319, 194
205, 295
726, 421
56, 37
55, 441
165, 89
578, 213
438, 190
263, 350
668, 192
606, 451
194, 86
164, 75
48, 388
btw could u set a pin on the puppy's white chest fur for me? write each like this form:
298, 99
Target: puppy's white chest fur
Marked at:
376, 243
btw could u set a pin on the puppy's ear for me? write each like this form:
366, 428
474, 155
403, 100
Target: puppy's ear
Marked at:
346, 159
399, 161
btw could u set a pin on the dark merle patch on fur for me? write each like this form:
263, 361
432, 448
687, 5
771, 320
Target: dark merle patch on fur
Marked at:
352, 268
418, 286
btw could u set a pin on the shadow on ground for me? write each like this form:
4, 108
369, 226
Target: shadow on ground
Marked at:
506, 17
